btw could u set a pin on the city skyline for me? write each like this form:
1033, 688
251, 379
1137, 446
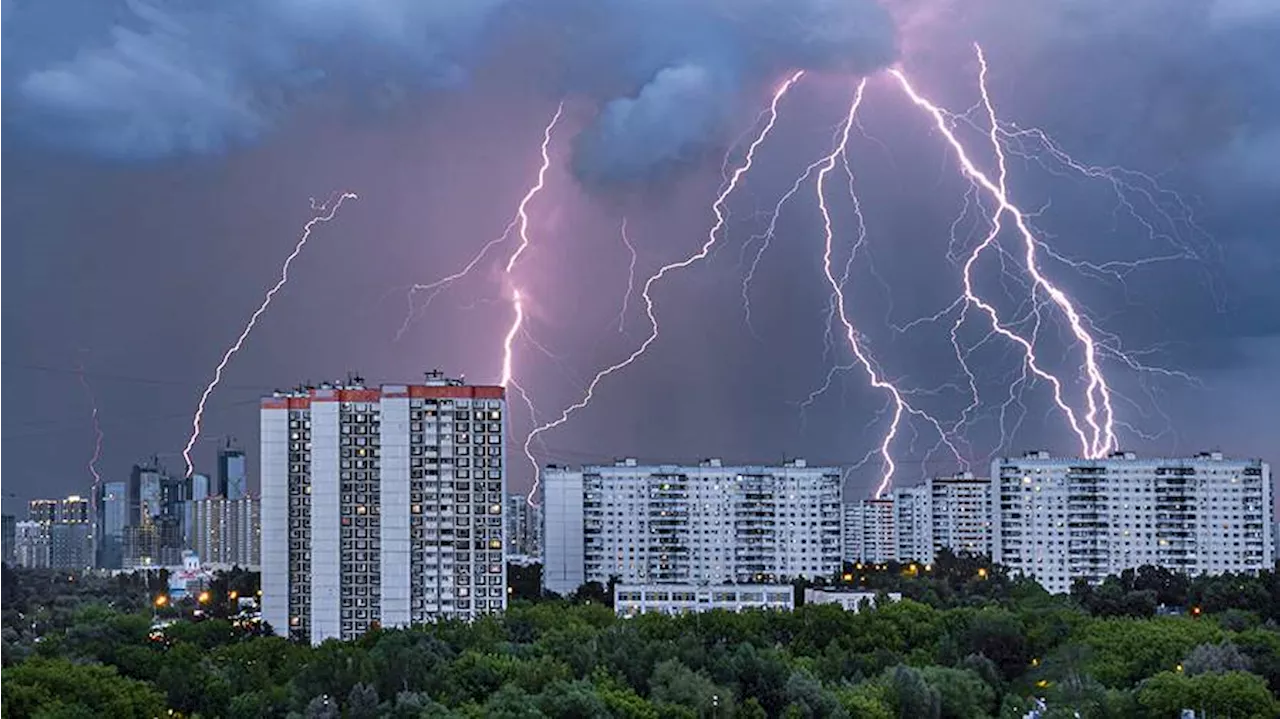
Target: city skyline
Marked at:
176, 242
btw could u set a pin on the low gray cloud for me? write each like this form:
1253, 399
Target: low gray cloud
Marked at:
143, 79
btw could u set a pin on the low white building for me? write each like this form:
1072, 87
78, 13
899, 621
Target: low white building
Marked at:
848, 601
632, 599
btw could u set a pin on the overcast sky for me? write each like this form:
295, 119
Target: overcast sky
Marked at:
160, 158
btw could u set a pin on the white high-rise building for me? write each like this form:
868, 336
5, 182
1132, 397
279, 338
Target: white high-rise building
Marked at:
1060, 519
870, 531
961, 515
382, 506
674, 524
913, 523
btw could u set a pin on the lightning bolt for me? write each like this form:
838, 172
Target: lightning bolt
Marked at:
1097, 431
517, 300
718, 209
520, 220
875, 377
631, 277
97, 430
327, 212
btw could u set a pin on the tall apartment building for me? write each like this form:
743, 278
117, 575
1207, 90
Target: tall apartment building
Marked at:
524, 527
870, 531
674, 524
382, 506
1060, 519
913, 523
961, 514
226, 531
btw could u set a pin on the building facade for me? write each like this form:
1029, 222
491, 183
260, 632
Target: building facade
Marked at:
382, 506
1062, 519
870, 531
524, 527
153, 532
233, 473
113, 520
226, 531
67, 532
44, 511
31, 545
913, 523
848, 601
691, 524
961, 514
630, 600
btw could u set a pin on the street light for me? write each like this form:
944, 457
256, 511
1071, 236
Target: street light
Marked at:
161, 600
203, 598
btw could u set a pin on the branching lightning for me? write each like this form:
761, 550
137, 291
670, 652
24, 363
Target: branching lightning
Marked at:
1097, 431
874, 375
520, 220
327, 212
1082, 394
718, 209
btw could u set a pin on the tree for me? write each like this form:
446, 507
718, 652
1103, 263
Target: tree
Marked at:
676, 684
321, 707
911, 696
961, 693
57, 687
1233, 694
808, 699
1222, 657
525, 581
571, 700
1001, 637
362, 702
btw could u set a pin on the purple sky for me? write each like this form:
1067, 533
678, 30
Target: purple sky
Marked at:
144, 263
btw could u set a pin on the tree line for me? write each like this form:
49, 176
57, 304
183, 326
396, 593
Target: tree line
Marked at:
967, 641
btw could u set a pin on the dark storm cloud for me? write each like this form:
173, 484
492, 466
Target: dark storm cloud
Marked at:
1188, 91
694, 62
141, 80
